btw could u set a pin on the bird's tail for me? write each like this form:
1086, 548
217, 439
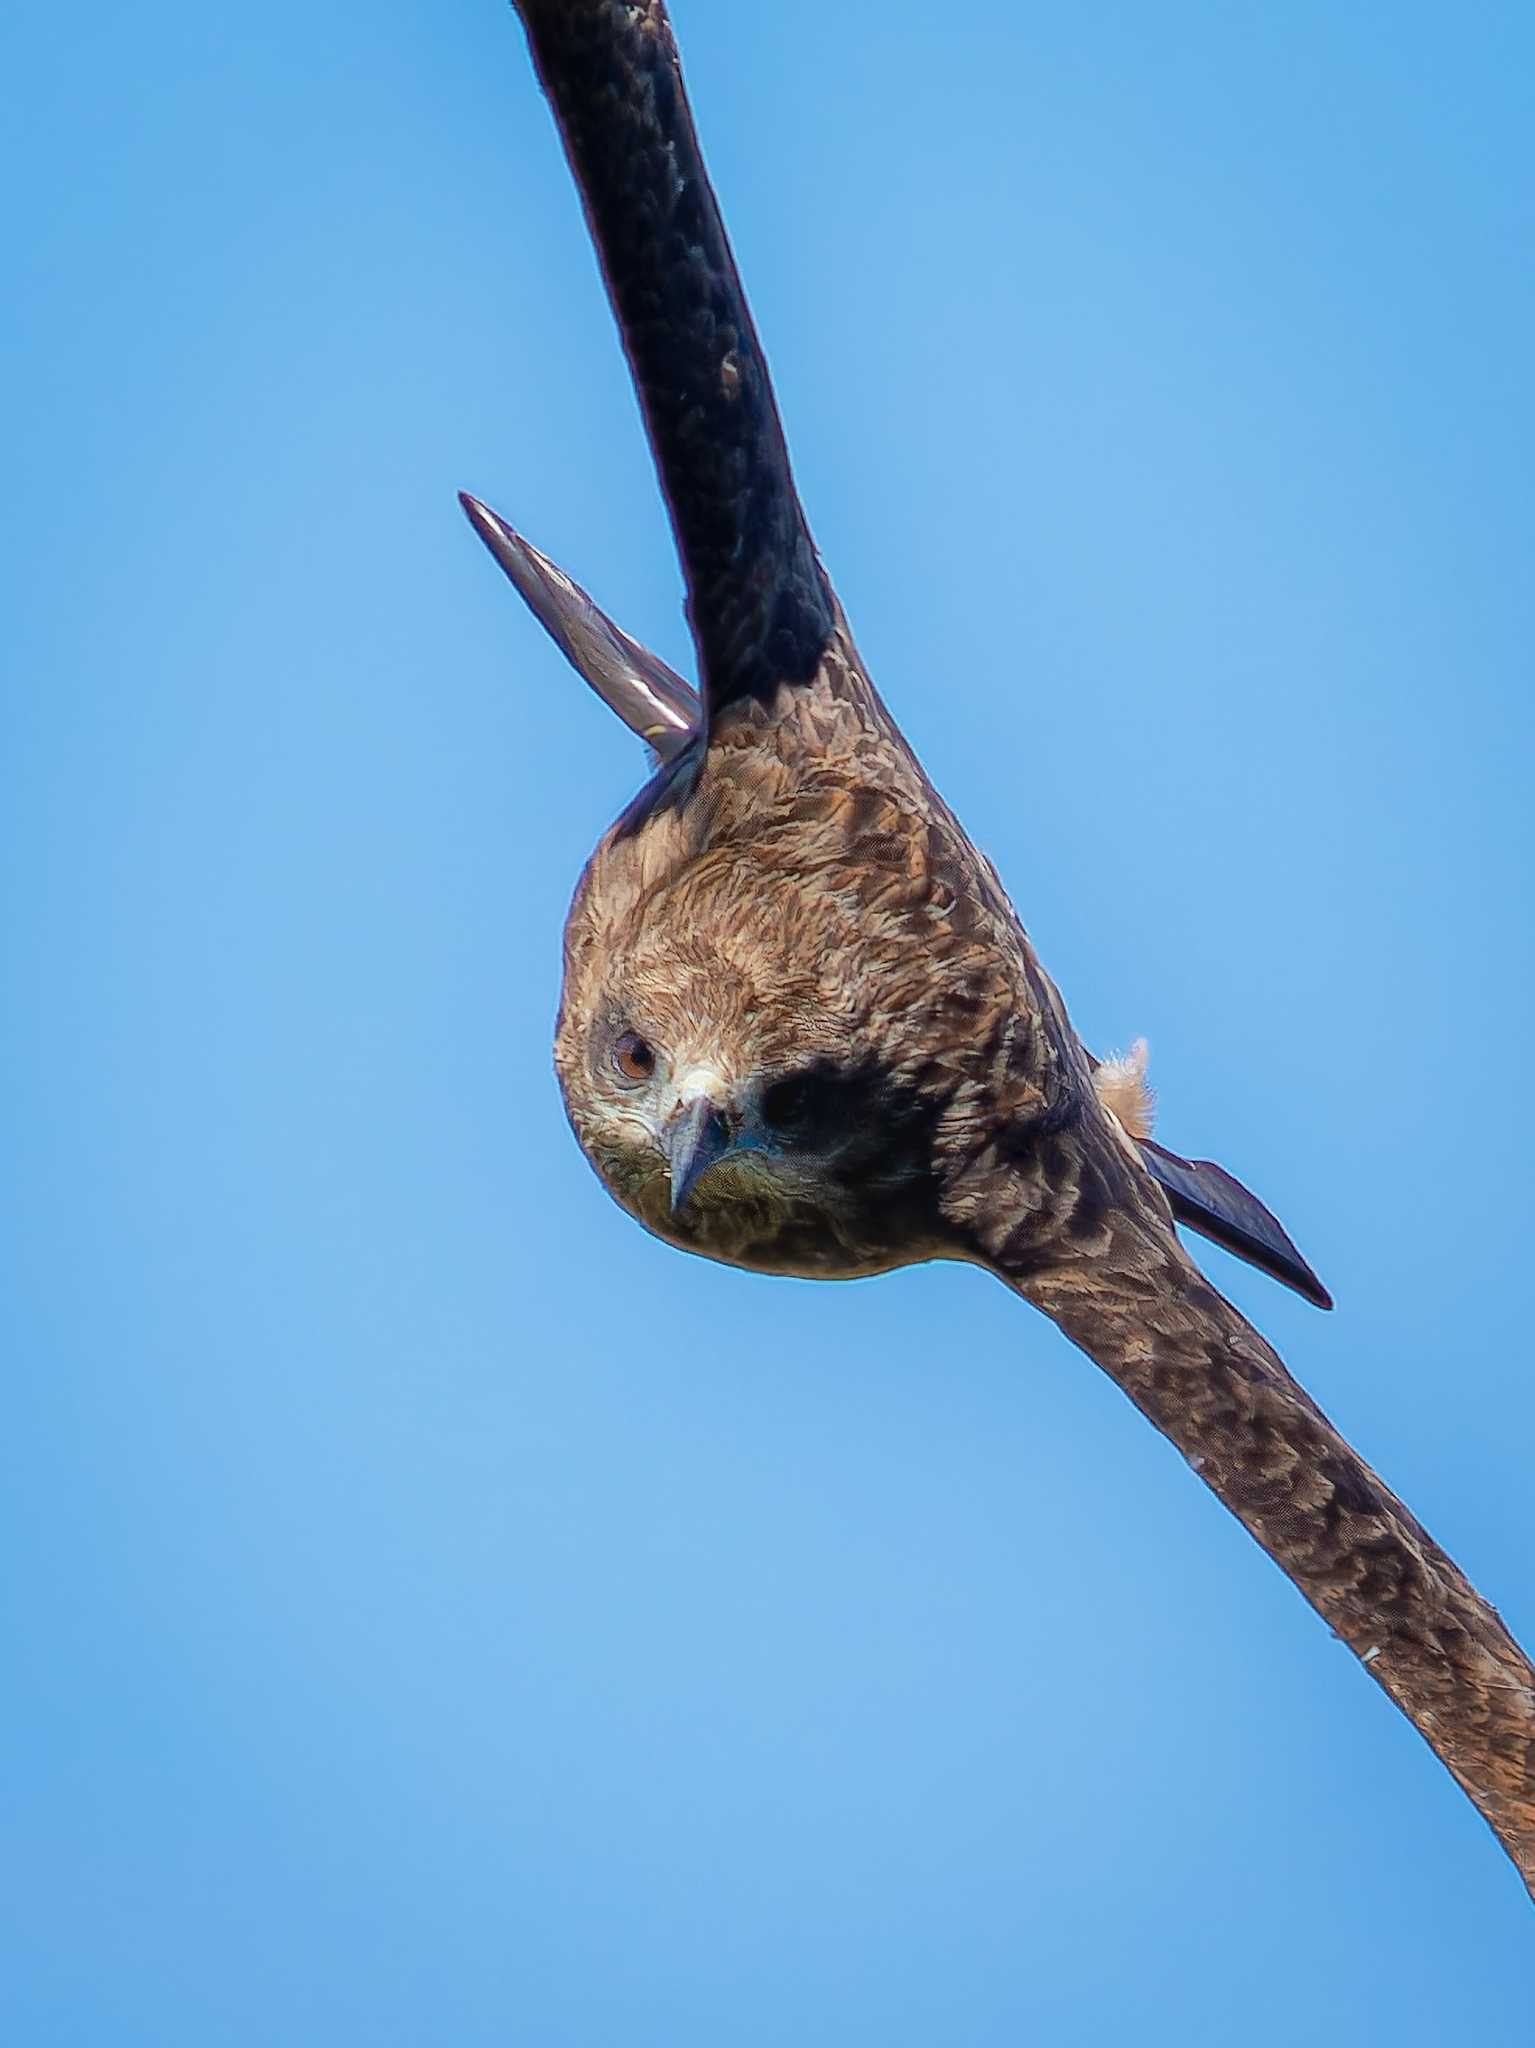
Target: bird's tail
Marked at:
1208, 1199
1202, 1195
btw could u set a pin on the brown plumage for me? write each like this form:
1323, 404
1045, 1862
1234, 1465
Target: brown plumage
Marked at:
802, 1029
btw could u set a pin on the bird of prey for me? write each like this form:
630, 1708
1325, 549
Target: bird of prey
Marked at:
802, 1029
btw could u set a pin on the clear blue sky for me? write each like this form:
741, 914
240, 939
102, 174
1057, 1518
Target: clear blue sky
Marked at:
433, 1611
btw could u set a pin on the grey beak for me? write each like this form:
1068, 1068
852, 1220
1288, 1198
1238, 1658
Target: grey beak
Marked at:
698, 1136
650, 698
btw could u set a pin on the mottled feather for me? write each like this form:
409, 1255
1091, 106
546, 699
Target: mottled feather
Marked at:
800, 955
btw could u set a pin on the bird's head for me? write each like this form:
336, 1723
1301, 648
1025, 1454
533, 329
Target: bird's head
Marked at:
727, 1072
717, 1076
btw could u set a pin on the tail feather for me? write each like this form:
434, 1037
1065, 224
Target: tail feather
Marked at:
1208, 1199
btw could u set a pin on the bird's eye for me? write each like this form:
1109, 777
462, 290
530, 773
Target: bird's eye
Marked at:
633, 1058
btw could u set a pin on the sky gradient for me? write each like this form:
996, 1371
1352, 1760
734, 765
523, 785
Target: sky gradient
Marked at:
433, 1610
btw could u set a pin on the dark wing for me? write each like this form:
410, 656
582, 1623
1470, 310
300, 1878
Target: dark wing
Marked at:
650, 698
758, 601
1208, 1199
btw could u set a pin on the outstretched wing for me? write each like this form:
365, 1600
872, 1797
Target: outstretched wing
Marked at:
1118, 1283
759, 604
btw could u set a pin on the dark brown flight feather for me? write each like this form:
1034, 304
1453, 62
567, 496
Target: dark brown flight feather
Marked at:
802, 1029
758, 600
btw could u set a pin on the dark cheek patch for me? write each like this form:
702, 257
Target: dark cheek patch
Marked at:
808, 1105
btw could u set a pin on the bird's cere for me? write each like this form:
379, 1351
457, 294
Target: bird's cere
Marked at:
707, 1083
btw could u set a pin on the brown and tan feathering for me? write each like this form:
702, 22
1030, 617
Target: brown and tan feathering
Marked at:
802, 1029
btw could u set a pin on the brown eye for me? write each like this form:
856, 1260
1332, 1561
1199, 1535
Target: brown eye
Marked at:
633, 1057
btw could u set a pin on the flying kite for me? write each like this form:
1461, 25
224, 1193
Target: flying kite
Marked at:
802, 1029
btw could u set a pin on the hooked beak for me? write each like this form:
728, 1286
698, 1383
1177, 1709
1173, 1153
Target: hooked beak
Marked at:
697, 1137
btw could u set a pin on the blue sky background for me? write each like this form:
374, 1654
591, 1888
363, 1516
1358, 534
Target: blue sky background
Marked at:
433, 1611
